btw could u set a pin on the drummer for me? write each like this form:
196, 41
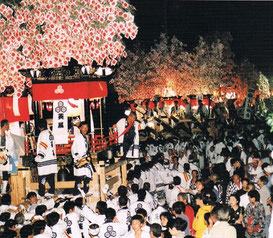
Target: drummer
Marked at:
80, 149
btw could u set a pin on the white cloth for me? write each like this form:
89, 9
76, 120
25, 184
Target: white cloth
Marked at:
92, 217
174, 192
137, 205
46, 154
84, 223
244, 200
8, 151
58, 230
113, 229
154, 217
124, 216
72, 224
42, 236
79, 149
144, 234
134, 149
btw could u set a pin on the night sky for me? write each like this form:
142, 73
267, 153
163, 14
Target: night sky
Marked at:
250, 24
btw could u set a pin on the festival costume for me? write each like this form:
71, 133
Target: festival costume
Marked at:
112, 229
7, 145
72, 225
129, 141
46, 161
79, 150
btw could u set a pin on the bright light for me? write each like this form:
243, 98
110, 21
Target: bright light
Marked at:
231, 95
168, 92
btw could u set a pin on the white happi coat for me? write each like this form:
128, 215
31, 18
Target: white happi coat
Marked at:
72, 224
8, 151
58, 230
124, 216
134, 149
46, 154
113, 229
80, 149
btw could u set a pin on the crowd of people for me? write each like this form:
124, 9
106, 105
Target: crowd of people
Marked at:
196, 186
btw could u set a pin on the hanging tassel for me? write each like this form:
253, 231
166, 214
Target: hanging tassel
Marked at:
98, 104
92, 105
49, 107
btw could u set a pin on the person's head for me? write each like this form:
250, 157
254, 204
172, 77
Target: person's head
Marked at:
10, 225
19, 218
123, 200
69, 207
79, 202
84, 127
262, 181
155, 230
6, 199
182, 197
42, 124
214, 177
32, 197
132, 117
234, 200
254, 196
110, 214
235, 162
245, 182
236, 179
26, 231
214, 213
208, 196
175, 158
176, 180
223, 213
137, 222
194, 173
5, 216
250, 187
186, 167
40, 210
161, 201
134, 188
52, 219
142, 212
39, 227
101, 207
141, 194
147, 186
179, 225
4, 125
122, 191
178, 208
199, 185
165, 218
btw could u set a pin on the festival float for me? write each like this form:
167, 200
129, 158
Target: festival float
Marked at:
38, 40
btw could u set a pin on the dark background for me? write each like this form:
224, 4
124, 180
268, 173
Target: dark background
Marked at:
250, 25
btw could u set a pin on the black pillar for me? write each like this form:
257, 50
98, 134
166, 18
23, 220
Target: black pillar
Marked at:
87, 111
36, 117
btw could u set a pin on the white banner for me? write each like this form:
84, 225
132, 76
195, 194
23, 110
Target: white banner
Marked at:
60, 124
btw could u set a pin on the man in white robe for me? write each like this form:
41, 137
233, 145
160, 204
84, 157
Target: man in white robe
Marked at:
7, 151
79, 150
46, 159
128, 135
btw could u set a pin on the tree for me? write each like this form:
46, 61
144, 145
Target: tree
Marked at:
169, 70
47, 34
